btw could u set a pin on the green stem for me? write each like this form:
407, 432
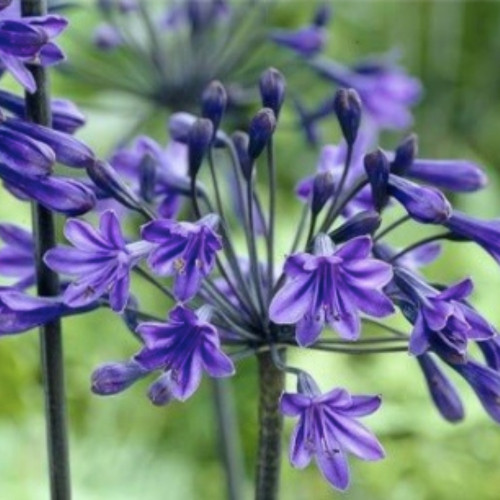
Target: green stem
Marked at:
51, 347
271, 386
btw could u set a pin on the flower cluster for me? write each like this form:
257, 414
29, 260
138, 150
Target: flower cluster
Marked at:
341, 272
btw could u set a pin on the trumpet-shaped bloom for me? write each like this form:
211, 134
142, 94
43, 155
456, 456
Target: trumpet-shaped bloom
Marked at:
332, 286
185, 250
442, 320
184, 347
100, 260
328, 429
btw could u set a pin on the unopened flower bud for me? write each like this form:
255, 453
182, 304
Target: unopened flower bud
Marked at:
213, 103
361, 224
160, 391
377, 169
112, 378
272, 86
261, 130
240, 141
199, 140
323, 189
347, 107
322, 15
405, 153
147, 177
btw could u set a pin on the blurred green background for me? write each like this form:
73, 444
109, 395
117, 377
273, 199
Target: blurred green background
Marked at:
124, 448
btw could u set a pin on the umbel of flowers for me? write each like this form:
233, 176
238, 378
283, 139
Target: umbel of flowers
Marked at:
340, 273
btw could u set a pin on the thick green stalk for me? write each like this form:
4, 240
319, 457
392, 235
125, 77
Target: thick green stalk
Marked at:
38, 111
271, 386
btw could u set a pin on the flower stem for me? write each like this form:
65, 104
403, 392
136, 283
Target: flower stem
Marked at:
38, 111
271, 386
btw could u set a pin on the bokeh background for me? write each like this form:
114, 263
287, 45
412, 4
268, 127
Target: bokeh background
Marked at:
124, 448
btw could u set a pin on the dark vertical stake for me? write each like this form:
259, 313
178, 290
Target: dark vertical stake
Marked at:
38, 111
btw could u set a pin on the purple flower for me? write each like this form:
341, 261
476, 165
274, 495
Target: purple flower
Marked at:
101, 261
328, 430
185, 250
442, 320
17, 256
491, 352
167, 173
28, 40
332, 286
485, 233
443, 392
185, 347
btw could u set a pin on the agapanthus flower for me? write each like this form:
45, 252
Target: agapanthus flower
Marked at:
184, 250
17, 256
328, 429
28, 40
441, 318
332, 286
183, 347
100, 259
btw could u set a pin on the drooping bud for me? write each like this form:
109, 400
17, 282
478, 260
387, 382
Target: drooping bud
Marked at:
272, 86
347, 107
322, 190
106, 178
441, 389
322, 15
180, 124
405, 153
377, 169
199, 140
261, 129
113, 378
240, 141
213, 103
160, 391
361, 224
307, 385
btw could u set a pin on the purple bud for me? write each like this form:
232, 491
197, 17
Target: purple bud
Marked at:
307, 385
240, 141
107, 37
361, 224
261, 129
160, 392
213, 103
377, 169
322, 15
347, 107
106, 178
113, 378
424, 204
69, 151
272, 86
405, 153
323, 189
180, 124
442, 391
199, 140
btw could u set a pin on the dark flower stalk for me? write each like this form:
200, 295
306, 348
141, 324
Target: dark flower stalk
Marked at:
38, 111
